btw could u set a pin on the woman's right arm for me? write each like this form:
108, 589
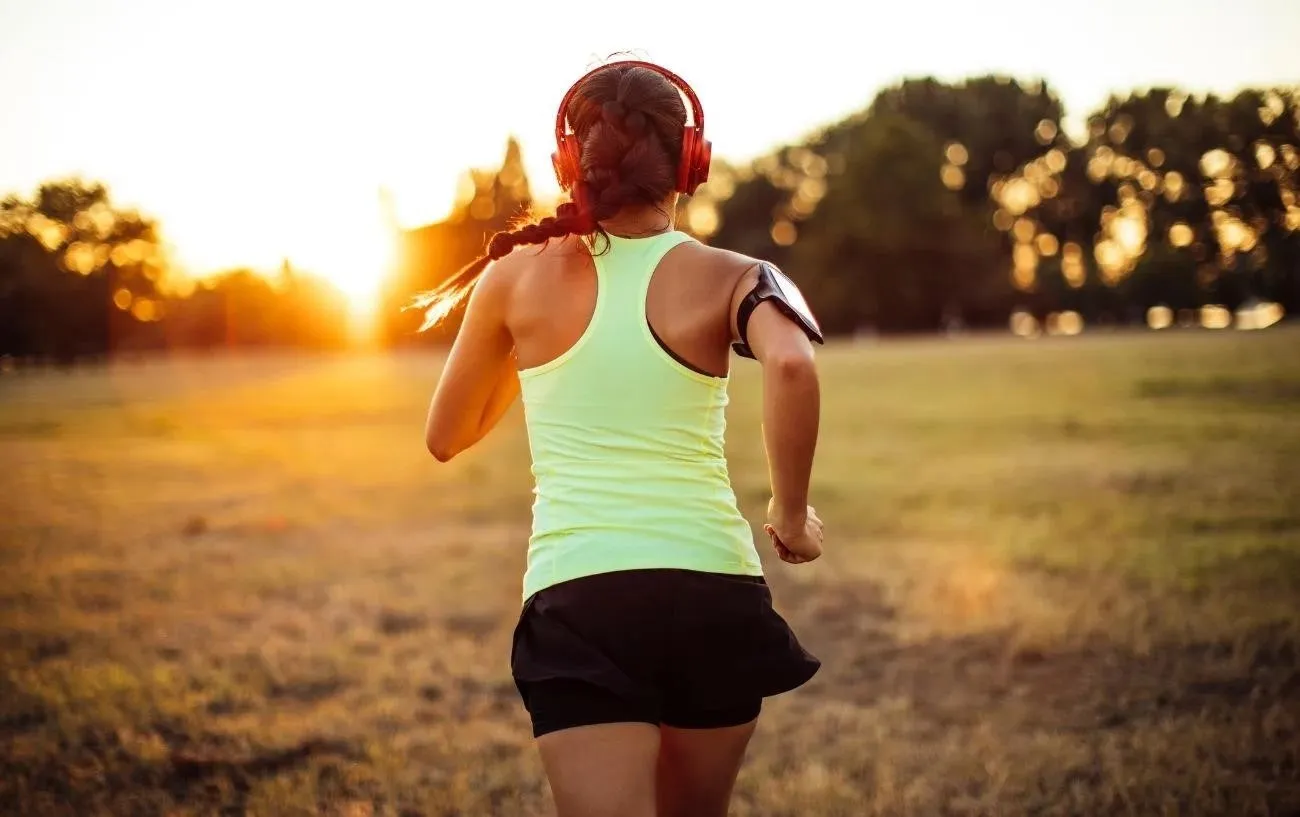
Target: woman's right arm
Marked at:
791, 414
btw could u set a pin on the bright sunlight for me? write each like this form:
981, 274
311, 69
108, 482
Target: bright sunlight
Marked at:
350, 242
360, 261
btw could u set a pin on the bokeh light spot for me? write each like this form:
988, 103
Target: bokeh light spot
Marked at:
1214, 316
1160, 317
784, 233
953, 177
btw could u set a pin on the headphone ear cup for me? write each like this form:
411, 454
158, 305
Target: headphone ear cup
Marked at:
700, 163
684, 166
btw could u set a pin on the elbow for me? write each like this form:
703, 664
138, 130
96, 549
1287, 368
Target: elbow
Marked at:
441, 451
795, 365
441, 454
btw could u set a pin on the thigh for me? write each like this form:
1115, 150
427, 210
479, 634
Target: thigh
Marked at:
602, 770
698, 767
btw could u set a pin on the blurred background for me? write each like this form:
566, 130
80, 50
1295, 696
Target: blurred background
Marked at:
200, 176
1063, 483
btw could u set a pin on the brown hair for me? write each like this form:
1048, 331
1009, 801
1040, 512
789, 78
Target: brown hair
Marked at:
629, 121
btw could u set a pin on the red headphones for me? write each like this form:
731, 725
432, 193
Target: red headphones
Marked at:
692, 165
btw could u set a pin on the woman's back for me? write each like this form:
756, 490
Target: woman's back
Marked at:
647, 639
625, 419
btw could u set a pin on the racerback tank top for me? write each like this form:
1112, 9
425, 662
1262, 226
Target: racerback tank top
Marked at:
627, 444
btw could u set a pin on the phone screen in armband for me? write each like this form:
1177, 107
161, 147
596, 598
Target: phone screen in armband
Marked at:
793, 298
774, 285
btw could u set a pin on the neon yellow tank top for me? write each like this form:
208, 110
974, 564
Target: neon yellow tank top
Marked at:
627, 445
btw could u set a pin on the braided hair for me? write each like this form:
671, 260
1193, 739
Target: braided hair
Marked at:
629, 121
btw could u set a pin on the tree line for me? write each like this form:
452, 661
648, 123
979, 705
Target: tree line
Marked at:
81, 278
945, 204
939, 205
958, 205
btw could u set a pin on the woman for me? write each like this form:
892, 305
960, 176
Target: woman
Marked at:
647, 639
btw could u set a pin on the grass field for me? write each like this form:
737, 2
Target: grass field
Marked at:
1062, 578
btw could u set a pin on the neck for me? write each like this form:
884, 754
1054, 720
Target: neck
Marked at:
640, 220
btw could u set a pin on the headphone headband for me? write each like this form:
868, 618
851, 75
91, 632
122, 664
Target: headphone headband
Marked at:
697, 110
696, 151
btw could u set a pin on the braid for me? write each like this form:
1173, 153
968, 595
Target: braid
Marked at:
617, 147
568, 220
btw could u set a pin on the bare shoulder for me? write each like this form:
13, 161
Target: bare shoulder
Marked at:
726, 266
526, 259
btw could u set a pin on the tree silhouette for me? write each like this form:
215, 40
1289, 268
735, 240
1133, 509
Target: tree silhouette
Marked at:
939, 204
82, 278
78, 276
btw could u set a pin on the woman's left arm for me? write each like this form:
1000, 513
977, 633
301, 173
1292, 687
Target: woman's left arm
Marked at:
480, 381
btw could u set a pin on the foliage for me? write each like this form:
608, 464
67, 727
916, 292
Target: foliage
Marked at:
1170, 201
938, 206
66, 255
81, 277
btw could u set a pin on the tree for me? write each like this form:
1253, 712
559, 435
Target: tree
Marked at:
955, 142
1179, 201
78, 276
892, 247
989, 125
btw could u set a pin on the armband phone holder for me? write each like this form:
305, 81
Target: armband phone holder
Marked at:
775, 286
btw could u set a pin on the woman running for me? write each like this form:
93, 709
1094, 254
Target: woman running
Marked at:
647, 639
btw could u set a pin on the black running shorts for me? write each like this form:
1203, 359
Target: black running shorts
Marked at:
680, 648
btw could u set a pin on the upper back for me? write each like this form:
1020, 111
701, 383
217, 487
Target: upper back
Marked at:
687, 304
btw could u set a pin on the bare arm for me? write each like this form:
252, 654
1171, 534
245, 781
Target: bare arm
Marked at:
480, 381
502, 398
791, 409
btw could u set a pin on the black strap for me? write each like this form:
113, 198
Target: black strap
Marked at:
761, 292
767, 289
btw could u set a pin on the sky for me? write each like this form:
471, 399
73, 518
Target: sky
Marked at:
258, 131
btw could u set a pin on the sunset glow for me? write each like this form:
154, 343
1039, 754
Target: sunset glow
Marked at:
263, 132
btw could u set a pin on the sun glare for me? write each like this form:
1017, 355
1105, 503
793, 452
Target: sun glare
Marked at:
352, 248
361, 261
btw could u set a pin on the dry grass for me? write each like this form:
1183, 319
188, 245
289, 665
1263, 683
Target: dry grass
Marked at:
1063, 580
